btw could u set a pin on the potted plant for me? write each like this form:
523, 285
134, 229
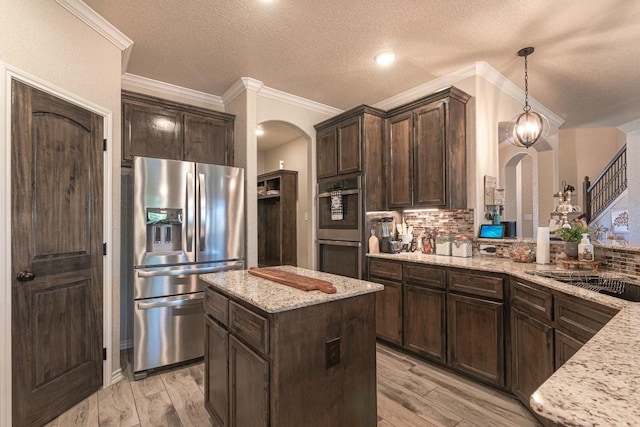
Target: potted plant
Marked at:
571, 237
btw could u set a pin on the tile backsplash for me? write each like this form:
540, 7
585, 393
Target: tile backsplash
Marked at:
444, 221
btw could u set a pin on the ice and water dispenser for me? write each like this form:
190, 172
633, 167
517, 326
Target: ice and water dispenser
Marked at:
164, 229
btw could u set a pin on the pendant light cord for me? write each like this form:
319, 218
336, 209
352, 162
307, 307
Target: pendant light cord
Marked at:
526, 86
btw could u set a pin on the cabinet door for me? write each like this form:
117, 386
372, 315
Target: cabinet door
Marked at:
389, 311
216, 393
531, 353
151, 131
326, 151
566, 347
207, 139
248, 386
430, 160
400, 161
349, 153
424, 322
475, 337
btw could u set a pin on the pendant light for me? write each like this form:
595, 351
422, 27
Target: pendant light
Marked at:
528, 127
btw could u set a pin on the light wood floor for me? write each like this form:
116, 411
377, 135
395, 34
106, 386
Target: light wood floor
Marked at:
410, 393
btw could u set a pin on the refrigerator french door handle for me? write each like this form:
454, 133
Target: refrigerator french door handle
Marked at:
171, 303
190, 212
155, 273
203, 212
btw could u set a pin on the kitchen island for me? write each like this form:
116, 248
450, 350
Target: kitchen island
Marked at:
280, 356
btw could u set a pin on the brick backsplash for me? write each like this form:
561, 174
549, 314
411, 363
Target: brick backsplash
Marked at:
612, 258
443, 221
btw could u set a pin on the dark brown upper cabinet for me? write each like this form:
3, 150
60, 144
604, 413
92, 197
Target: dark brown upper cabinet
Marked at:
154, 127
352, 144
339, 148
426, 151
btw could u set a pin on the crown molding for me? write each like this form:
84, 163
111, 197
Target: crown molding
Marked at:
233, 92
307, 104
186, 95
494, 77
248, 83
426, 88
101, 26
630, 127
480, 69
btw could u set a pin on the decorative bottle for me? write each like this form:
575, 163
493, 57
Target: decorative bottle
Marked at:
585, 249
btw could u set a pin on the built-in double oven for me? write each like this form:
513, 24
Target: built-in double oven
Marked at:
339, 232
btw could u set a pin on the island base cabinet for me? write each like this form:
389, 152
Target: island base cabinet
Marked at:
307, 366
424, 322
216, 395
532, 354
475, 329
248, 386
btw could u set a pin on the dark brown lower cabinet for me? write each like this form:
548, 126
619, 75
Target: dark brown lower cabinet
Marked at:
216, 396
425, 321
389, 311
475, 334
566, 347
532, 354
248, 386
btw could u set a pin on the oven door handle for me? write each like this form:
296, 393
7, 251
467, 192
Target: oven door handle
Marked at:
344, 193
339, 243
177, 302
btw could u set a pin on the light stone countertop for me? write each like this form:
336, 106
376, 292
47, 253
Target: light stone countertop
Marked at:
600, 384
274, 297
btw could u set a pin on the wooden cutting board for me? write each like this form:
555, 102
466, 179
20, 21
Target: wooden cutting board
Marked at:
294, 280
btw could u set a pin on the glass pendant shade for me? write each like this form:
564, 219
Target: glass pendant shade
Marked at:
528, 128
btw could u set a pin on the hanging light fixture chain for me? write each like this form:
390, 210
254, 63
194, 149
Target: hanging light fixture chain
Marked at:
526, 86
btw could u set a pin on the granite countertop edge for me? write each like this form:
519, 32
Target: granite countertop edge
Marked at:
273, 297
597, 386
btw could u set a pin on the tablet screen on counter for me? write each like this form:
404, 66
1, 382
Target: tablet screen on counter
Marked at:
491, 231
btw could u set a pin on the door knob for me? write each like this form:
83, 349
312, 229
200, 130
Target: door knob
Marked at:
25, 276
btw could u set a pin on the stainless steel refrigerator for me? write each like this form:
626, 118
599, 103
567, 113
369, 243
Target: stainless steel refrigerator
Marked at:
188, 219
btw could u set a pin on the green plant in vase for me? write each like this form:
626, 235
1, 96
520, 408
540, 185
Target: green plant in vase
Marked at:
571, 237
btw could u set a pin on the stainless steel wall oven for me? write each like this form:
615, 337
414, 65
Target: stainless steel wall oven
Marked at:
339, 232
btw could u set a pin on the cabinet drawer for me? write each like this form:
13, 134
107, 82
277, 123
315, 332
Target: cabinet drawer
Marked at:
475, 284
250, 327
582, 318
216, 306
532, 300
387, 269
422, 275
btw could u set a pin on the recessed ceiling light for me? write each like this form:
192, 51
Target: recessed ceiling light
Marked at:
259, 132
385, 58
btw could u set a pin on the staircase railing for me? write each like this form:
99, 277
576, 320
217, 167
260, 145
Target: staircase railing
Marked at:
611, 182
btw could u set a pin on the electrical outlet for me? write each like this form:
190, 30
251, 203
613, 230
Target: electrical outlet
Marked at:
487, 250
332, 351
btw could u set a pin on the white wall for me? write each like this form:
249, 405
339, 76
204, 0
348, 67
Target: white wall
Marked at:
43, 39
295, 154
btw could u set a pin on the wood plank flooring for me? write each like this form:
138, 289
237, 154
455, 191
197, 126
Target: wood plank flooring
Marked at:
411, 393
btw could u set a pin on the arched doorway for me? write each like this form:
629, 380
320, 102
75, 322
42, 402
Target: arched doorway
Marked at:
284, 142
519, 179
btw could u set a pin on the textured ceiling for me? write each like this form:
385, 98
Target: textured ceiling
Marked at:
585, 67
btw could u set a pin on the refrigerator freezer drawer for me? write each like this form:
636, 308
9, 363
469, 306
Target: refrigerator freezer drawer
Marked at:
167, 330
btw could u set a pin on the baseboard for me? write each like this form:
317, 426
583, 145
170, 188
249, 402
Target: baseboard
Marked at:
116, 376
